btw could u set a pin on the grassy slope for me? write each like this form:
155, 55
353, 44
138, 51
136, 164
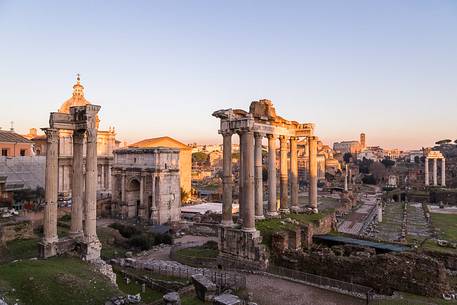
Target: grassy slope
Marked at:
55, 281
446, 224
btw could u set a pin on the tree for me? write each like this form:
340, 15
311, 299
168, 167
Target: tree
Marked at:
199, 157
441, 142
378, 170
387, 162
347, 157
417, 159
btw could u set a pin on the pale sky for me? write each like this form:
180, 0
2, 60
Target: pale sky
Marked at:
386, 68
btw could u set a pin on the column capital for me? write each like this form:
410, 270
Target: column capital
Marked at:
293, 138
78, 136
271, 136
258, 135
52, 135
226, 133
282, 138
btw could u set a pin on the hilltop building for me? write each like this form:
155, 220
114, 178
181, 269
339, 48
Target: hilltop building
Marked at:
353, 147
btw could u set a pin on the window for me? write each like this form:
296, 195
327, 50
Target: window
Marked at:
22, 152
5, 152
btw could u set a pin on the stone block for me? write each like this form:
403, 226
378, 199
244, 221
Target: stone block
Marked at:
204, 287
172, 298
227, 299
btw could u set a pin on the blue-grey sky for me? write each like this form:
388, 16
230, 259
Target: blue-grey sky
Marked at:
387, 68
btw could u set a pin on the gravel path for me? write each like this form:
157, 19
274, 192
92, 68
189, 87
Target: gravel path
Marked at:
273, 291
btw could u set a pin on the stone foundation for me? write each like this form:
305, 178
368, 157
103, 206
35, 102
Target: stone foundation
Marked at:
90, 251
241, 249
15, 229
61, 246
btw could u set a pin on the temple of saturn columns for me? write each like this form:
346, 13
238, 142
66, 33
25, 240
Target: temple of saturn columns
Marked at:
238, 244
81, 120
435, 156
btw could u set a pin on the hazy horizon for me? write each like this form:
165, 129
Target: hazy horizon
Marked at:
387, 69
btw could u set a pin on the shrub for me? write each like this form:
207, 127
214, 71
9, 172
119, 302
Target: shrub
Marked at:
125, 230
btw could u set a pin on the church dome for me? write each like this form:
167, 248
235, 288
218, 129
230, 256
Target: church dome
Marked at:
77, 99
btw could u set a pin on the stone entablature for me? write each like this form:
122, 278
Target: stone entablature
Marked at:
435, 155
146, 184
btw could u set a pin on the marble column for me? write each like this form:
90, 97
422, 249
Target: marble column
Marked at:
141, 211
346, 179
284, 185
51, 189
312, 146
110, 188
258, 176
90, 202
272, 196
443, 172
227, 219
248, 186
427, 175
76, 226
102, 178
435, 172
153, 204
241, 193
293, 173
123, 187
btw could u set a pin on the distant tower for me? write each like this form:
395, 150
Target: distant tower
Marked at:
362, 140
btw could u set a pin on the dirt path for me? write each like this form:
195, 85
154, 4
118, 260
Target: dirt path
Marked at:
273, 291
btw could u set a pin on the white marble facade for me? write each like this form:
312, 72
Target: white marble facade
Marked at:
146, 184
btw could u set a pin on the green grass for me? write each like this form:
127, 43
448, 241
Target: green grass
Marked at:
191, 300
59, 280
446, 225
19, 249
198, 252
148, 296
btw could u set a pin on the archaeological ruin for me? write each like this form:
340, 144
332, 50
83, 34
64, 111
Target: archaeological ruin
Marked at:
146, 184
81, 120
435, 156
237, 244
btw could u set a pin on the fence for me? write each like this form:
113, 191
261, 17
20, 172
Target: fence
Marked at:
356, 289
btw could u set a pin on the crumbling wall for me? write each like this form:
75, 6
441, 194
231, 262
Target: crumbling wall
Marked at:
15, 229
409, 272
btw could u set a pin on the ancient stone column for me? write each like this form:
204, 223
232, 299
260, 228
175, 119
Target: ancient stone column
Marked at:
77, 193
51, 189
435, 172
427, 178
227, 219
443, 172
248, 186
110, 188
90, 202
241, 193
272, 200
123, 187
293, 173
312, 145
141, 212
154, 203
102, 177
258, 176
346, 179
284, 192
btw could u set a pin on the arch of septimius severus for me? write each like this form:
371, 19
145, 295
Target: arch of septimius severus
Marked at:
82, 121
261, 121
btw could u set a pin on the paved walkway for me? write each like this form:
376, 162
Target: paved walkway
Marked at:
273, 291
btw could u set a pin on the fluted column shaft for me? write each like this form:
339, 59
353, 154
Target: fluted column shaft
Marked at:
90, 202
248, 186
427, 174
435, 172
284, 192
258, 176
272, 200
123, 187
51, 188
312, 145
293, 173
142, 209
346, 179
443, 172
77, 193
241, 193
227, 219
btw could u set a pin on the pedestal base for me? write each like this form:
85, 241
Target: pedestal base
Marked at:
90, 250
242, 249
284, 211
259, 217
272, 214
46, 249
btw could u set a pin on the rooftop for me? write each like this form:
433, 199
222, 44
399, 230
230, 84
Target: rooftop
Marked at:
12, 137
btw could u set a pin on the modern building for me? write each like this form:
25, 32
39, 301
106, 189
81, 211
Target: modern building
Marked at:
185, 157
